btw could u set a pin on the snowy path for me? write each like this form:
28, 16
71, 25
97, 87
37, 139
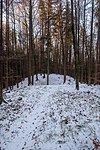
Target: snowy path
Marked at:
24, 118
55, 117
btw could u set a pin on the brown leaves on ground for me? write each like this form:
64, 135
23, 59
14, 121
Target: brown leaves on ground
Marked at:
34, 137
96, 144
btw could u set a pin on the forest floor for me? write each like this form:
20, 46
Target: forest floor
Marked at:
53, 117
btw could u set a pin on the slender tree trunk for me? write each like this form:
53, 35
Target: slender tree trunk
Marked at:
48, 50
1, 51
30, 44
99, 36
70, 58
62, 42
82, 62
15, 44
75, 48
78, 38
97, 61
91, 44
13, 39
42, 52
7, 42
33, 63
66, 43
48, 43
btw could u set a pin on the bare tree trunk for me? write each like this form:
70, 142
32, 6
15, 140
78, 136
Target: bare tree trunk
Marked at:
14, 48
69, 62
78, 38
33, 63
91, 44
48, 43
7, 42
1, 51
82, 61
30, 44
99, 36
42, 52
66, 45
60, 58
75, 48
48, 50
97, 61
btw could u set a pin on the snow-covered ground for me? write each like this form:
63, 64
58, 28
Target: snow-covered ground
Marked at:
53, 117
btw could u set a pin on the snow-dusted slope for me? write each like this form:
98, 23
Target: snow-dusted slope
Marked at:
54, 117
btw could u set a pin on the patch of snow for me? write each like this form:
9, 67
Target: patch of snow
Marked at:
53, 117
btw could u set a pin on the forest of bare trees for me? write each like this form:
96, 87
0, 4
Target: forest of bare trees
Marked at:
49, 36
